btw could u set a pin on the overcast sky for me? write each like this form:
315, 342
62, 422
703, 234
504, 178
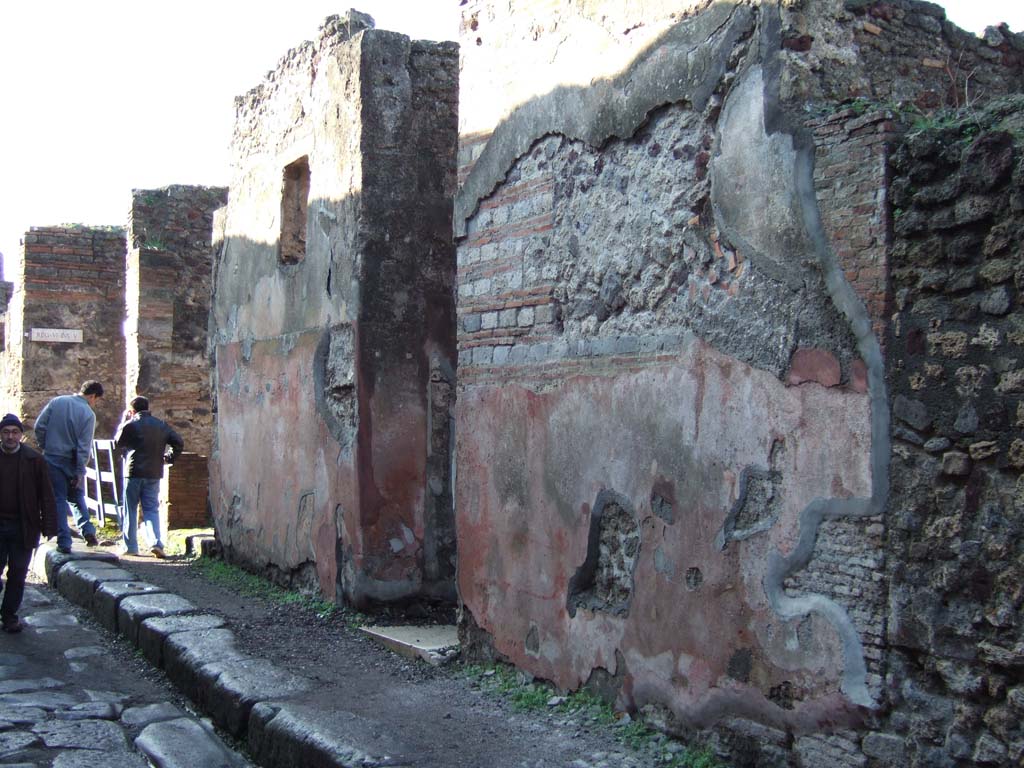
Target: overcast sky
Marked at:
98, 97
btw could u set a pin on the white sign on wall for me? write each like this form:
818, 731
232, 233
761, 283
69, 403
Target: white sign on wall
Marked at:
72, 335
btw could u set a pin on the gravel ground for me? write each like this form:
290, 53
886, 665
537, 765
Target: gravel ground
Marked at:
453, 722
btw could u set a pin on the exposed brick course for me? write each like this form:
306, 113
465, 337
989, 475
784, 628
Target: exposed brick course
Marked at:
169, 268
73, 278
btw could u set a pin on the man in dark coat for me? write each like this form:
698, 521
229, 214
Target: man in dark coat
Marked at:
27, 509
144, 439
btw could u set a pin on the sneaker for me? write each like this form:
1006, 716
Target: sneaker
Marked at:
64, 550
13, 626
90, 539
158, 552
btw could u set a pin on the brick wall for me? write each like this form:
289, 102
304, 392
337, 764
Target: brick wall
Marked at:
168, 298
70, 278
187, 492
897, 52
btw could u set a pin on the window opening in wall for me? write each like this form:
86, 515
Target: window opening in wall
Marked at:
294, 204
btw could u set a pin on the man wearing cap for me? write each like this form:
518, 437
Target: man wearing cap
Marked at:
64, 432
144, 439
27, 510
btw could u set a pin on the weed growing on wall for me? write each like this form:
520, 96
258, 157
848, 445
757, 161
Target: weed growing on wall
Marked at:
525, 694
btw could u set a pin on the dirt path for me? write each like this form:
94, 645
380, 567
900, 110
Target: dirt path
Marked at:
441, 714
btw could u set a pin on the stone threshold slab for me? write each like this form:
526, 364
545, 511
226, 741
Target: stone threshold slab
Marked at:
435, 644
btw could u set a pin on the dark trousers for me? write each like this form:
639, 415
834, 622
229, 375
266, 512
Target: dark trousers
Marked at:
15, 557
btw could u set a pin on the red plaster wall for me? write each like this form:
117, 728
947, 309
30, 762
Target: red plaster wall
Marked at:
532, 460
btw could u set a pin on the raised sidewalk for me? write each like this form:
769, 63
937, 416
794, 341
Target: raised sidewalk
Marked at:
275, 712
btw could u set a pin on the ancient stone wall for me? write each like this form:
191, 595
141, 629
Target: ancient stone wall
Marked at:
71, 279
956, 378
683, 383
332, 325
894, 51
168, 274
674, 302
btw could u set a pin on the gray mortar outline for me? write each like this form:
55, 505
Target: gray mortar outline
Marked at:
779, 567
590, 115
660, 75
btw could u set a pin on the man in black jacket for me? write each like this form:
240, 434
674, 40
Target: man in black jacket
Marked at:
27, 509
144, 440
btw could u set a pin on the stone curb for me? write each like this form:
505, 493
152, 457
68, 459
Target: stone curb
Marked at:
249, 697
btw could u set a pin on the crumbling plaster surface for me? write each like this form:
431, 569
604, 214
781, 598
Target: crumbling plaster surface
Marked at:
687, 427
326, 356
606, 398
267, 319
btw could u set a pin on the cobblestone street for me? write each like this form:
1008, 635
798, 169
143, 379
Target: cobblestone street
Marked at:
72, 696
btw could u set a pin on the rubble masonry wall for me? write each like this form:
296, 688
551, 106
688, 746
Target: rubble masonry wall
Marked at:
674, 303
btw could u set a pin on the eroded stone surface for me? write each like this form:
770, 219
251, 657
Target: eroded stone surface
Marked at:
183, 743
108, 596
100, 735
78, 579
153, 632
133, 610
185, 653
151, 713
228, 690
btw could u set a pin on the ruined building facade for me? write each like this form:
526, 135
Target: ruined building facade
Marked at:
128, 307
168, 273
332, 327
739, 371
70, 279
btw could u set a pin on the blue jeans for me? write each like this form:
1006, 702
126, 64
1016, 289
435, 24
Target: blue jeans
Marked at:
15, 558
147, 491
61, 472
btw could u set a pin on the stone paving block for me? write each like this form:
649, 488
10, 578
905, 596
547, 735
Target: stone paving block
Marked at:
312, 735
83, 652
91, 710
13, 742
185, 653
20, 715
133, 610
109, 594
153, 633
91, 758
50, 619
38, 684
91, 734
183, 743
113, 697
48, 565
77, 580
48, 700
228, 690
136, 717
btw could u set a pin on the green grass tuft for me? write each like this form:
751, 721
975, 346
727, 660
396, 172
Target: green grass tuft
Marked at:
533, 696
245, 583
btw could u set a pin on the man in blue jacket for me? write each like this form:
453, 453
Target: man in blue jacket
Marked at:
144, 439
64, 431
